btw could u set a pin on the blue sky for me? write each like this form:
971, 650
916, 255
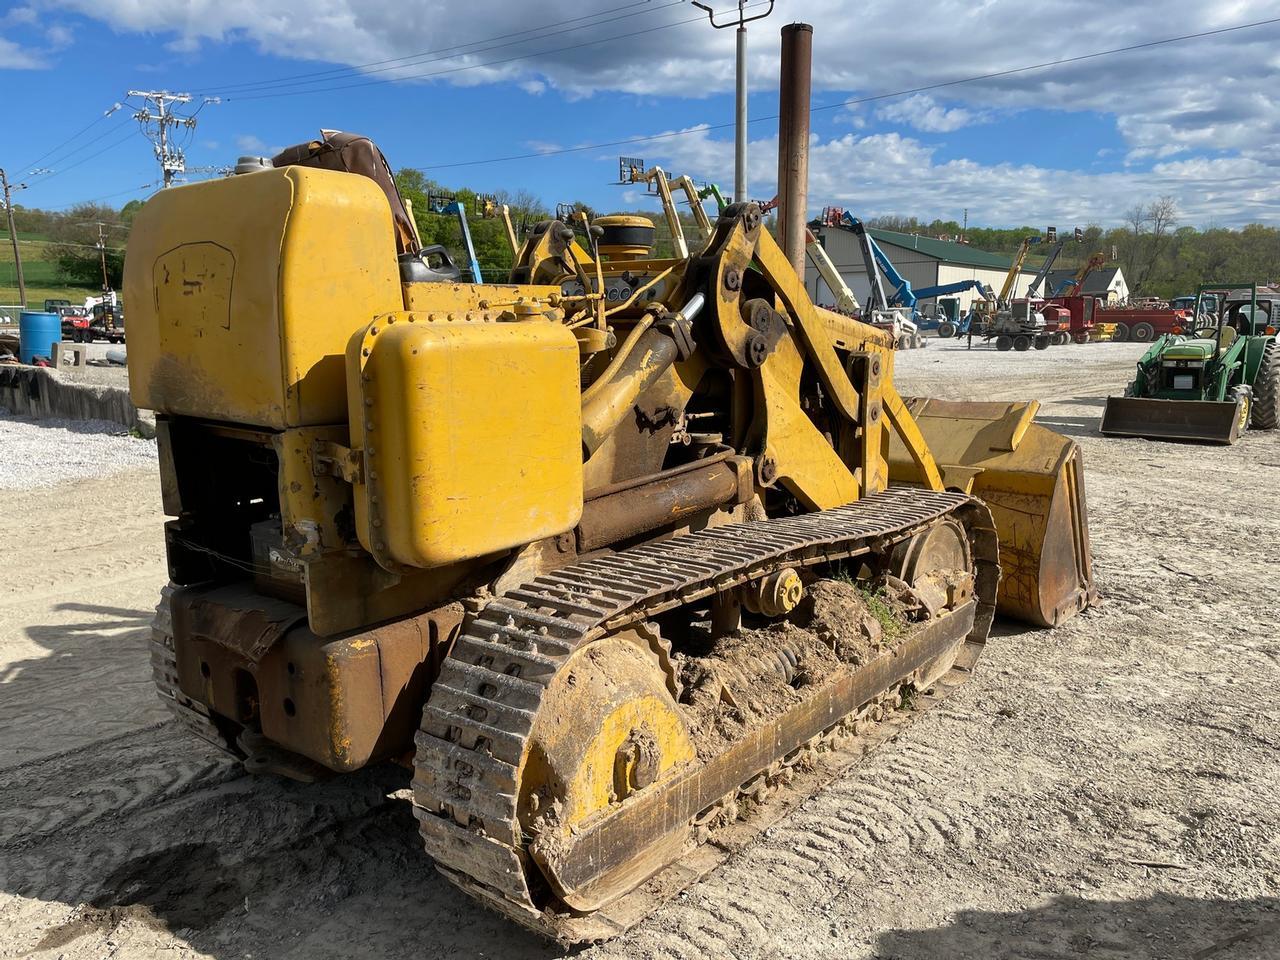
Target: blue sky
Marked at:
1068, 145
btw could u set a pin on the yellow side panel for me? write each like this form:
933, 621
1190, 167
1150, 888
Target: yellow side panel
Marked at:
471, 433
492, 299
243, 292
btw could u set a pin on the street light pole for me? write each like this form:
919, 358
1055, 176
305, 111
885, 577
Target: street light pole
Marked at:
740, 140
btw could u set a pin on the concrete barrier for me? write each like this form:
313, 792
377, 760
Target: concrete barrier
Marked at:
39, 392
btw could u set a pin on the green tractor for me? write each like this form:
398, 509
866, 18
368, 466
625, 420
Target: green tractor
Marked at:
1211, 385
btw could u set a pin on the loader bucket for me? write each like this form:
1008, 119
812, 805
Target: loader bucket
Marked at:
1209, 421
1032, 479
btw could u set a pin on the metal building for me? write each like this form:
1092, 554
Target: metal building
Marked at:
924, 261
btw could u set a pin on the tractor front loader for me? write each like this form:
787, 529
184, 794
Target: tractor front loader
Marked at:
1211, 386
600, 553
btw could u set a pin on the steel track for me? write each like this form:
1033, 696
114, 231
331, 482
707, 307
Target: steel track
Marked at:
482, 708
193, 716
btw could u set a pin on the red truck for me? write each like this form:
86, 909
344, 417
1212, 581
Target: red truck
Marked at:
1084, 318
1143, 323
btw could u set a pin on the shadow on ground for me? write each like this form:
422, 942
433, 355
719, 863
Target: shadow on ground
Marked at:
136, 825
1163, 927
83, 686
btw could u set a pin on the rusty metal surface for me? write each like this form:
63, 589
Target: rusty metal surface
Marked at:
235, 616
482, 708
664, 503
610, 401
794, 94
191, 714
340, 702
604, 846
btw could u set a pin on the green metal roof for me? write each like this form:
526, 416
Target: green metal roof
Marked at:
943, 250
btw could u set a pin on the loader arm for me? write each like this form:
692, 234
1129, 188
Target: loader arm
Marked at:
1045, 267
813, 333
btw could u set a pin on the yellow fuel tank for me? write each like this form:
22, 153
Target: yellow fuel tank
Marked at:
244, 291
471, 432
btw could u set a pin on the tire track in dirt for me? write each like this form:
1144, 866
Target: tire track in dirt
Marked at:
893, 805
103, 807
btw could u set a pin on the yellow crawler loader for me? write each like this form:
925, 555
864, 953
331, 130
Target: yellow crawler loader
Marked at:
619, 557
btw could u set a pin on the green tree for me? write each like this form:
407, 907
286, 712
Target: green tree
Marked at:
74, 245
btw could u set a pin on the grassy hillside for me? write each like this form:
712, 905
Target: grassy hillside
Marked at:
40, 272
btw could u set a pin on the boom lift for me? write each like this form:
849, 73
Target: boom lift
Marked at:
1072, 286
491, 209
896, 318
448, 206
1051, 236
903, 294
633, 170
568, 553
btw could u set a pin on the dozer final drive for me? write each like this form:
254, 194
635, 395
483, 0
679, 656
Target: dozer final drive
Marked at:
615, 572
1212, 385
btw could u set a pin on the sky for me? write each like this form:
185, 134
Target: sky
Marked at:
453, 87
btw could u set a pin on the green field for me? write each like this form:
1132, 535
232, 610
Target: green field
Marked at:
40, 273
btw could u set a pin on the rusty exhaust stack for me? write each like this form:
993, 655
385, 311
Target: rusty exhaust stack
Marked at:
793, 140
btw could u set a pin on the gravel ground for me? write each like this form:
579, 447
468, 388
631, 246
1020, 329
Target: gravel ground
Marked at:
45, 453
50, 452
1109, 789
107, 376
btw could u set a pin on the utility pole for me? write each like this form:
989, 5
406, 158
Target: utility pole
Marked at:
102, 254
156, 126
740, 139
13, 236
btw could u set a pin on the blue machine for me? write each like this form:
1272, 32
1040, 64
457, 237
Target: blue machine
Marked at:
447, 206
903, 295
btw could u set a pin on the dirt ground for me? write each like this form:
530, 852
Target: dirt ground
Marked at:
1110, 789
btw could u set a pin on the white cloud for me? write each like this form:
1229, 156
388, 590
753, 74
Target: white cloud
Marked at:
1216, 94
19, 15
248, 143
14, 57
926, 114
888, 173
533, 87
58, 36
543, 146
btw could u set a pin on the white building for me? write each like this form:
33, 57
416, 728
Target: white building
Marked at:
923, 261
1108, 283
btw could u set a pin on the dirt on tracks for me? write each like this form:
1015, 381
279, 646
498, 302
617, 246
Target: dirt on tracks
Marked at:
1109, 789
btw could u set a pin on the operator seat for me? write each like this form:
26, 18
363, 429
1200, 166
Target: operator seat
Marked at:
1226, 337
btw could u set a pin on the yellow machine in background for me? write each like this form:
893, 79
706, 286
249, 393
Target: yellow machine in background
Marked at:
530, 538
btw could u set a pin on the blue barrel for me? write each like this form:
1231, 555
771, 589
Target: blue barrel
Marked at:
37, 333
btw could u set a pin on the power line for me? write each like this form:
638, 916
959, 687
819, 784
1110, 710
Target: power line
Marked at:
854, 101
109, 196
404, 61
75, 136
83, 160
48, 172
487, 63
